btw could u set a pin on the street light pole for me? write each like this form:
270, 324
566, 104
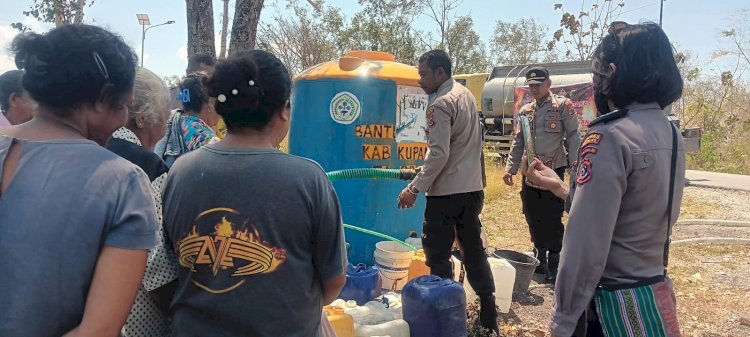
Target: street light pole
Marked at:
661, 12
143, 43
144, 21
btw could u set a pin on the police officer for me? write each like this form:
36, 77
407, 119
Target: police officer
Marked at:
554, 124
625, 197
452, 180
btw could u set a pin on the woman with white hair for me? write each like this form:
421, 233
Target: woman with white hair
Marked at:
135, 142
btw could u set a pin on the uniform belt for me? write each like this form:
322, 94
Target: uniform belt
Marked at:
637, 284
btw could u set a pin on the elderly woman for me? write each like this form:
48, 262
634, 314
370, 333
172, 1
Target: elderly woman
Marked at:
626, 195
76, 220
16, 104
145, 126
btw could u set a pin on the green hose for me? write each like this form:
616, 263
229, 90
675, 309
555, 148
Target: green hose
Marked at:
380, 235
371, 173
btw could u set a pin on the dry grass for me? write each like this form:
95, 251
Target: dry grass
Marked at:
711, 289
502, 217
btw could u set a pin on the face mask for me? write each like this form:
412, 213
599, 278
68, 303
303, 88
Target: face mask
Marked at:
601, 102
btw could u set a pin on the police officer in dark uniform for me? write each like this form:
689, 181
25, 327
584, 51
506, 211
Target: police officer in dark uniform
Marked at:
554, 129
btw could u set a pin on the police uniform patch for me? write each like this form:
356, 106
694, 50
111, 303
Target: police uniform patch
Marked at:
431, 117
588, 150
593, 138
569, 104
584, 171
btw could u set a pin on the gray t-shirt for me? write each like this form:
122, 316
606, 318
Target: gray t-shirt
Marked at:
255, 232
66, 201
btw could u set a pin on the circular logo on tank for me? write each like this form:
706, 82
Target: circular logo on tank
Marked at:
345, 108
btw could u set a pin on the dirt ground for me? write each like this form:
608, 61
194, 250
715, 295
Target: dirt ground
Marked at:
712, 282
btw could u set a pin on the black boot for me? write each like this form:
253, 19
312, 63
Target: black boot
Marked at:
541, 255
554, 261
488, 313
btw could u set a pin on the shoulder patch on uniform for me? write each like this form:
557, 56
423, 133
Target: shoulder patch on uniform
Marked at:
614, 115
584, 171
592, 139
431, 116
585, 151
569, 107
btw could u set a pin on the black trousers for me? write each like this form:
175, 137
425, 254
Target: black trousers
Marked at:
543, 211
448, 216
588, 324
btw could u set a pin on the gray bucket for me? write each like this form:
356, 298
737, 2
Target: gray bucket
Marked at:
524, 265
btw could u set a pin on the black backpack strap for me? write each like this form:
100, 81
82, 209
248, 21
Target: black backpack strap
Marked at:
672, 174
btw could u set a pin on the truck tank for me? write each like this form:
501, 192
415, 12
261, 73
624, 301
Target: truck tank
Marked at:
498, 92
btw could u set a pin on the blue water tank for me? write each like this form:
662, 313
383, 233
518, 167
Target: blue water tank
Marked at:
362, 284
434, 307
363, 111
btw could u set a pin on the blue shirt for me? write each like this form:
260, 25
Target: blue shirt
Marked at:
67, 200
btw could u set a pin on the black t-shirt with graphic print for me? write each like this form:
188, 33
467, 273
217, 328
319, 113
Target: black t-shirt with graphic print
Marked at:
256, 231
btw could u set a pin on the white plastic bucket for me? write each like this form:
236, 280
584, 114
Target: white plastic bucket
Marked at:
504, 275
392, 260
471, 296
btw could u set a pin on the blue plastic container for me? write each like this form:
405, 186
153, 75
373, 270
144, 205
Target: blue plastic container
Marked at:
362, 284
363, 111
434, 307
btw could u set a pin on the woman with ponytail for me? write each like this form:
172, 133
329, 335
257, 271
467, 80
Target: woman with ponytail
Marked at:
76, 220
277, 217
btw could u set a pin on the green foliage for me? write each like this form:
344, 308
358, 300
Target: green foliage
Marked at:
305, 39
581, 32
384, 25
59, 12
466, 48
521, 42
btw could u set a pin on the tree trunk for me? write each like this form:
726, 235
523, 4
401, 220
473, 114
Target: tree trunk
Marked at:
79, 11
59, 13
245, 25
200, 24
224, 32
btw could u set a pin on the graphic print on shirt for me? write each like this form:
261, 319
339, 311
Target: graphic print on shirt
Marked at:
224, 248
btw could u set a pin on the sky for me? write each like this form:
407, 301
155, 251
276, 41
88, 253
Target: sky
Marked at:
693, 25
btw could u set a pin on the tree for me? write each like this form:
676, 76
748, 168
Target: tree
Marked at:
245, 25
739, 36
172, 80
224, 29
384, 25
304, 39
520, 42
200, 22
440, 11
581, 33
59, 12
465, 48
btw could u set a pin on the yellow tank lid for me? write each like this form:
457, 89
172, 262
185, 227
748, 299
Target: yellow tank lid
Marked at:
363, 64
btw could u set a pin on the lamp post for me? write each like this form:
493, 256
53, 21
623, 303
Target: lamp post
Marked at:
144, 21
661, 11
